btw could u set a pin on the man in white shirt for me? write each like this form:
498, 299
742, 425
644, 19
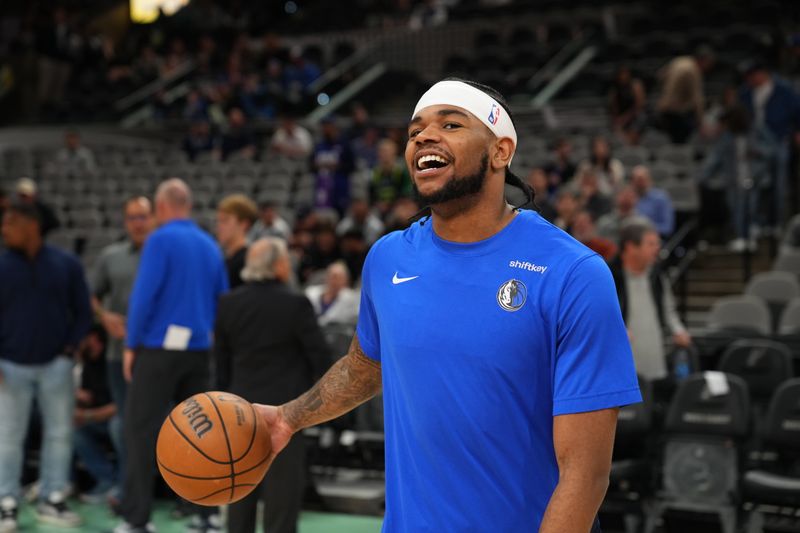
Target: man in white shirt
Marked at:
335, 302
291, 139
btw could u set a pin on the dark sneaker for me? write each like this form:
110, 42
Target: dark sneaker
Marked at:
54, 511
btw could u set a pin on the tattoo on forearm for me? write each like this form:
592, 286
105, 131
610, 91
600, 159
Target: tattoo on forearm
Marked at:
351, 381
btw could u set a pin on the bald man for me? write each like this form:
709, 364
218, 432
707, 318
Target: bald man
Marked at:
169, 327
269, 349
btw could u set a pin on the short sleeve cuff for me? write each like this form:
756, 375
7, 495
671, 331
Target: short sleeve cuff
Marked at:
367, 346
584, 404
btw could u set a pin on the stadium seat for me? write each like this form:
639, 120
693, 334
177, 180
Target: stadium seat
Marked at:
776, 289
772, 491
788, 261
740, 313
684, 195
631, 471
707, 417
789, 323
762, 364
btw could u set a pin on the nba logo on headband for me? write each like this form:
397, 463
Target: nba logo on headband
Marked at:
494, 115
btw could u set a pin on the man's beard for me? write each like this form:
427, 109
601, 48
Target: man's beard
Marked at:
457, 188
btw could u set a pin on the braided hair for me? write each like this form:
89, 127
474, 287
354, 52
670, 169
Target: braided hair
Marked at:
510, 178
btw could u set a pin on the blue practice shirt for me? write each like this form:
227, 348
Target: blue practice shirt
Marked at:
181, 276
481, 345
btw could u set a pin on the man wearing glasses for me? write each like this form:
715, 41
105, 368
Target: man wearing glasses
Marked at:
112, 281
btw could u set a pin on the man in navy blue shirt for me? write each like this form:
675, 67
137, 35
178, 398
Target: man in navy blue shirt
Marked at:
45, 310
497, 340
170, 321
774, 108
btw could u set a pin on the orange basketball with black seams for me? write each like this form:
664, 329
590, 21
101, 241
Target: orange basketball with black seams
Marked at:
213, 448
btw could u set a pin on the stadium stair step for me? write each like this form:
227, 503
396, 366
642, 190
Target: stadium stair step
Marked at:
717, 272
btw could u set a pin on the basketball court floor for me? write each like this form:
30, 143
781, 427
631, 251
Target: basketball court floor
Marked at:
98, 519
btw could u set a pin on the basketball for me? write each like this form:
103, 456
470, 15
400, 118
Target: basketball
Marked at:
213, 448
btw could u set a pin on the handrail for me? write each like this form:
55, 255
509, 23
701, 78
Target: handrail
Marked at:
154, 86
677, 238
563, 77
339, 69
352, 88
554, 63
135, 118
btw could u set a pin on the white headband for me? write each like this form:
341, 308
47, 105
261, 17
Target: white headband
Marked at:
484, 107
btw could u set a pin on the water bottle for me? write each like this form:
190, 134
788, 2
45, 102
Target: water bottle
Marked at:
682, 364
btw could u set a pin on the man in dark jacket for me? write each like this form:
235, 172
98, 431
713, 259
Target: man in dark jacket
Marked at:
44, 304
269, 349
647, 303
774, 106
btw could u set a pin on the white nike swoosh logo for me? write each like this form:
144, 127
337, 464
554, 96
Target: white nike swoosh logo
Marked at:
397, 280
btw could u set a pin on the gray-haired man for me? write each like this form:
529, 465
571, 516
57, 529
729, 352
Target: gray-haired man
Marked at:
269, 349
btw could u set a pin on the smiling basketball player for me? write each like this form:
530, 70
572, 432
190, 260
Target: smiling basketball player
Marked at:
500, 381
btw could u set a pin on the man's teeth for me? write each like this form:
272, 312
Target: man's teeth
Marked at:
422, 161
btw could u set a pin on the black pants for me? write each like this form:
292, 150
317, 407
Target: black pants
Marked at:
678, 126
281, 491
160, 378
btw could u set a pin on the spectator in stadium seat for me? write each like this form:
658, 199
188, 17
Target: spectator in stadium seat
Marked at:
94, 410
389, 179
561, 168
353, 248
74, 158
428, 14
610, 170
593, 196
626, 105
323, 251
238, 140
236, 215
269, 224
646, 301
298, 74
681, 104
609, 225
111, 284
196, 107
291, 139
537, 179
583, 229
46, 313
774, 106
199, 140
653, 203
567, 206
269, 348
335, 302
28, 192
55, 43
365, 148
169, 325
332, 161
360, 217
401, 214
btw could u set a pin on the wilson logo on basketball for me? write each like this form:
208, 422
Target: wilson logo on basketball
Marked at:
198, 420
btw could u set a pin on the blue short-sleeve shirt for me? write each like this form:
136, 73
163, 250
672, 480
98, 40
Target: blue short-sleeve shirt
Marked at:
480, 345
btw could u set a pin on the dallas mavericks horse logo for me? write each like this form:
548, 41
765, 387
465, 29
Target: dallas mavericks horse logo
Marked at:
512, 295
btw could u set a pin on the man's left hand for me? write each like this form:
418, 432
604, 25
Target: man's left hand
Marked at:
682, 339
128, 357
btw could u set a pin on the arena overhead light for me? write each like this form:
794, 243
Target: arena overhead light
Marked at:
147, 11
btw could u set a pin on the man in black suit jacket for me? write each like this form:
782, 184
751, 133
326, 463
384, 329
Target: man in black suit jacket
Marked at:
269, 349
